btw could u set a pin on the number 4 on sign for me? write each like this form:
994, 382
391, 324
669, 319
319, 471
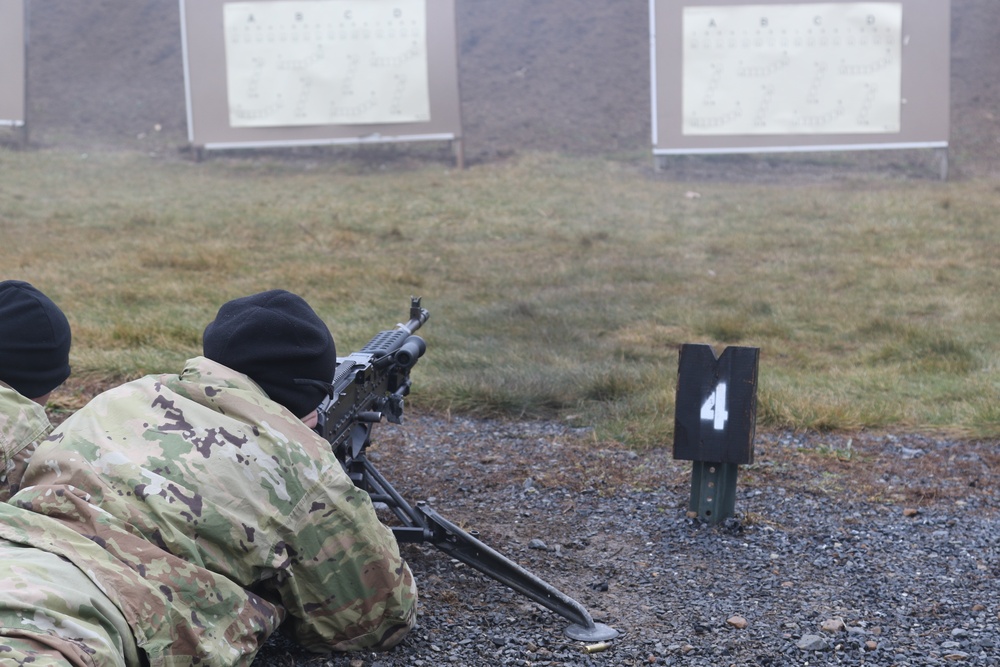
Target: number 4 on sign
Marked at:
714, 407
715, 404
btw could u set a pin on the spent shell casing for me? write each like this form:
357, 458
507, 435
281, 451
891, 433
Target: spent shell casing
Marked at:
597, 648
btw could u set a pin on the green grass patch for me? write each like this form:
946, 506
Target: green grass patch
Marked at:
558, 287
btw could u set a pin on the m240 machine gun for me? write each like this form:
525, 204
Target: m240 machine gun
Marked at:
368, 387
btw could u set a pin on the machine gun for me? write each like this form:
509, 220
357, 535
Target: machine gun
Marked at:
369, 386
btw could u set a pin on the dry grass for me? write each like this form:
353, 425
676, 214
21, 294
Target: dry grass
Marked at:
556, 286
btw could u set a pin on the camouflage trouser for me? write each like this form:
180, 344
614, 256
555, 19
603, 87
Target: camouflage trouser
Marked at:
52, 614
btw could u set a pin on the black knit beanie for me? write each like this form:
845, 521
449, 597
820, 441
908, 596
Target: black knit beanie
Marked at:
34, 340
280, 342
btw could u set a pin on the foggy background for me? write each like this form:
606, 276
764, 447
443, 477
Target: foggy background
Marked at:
570, 76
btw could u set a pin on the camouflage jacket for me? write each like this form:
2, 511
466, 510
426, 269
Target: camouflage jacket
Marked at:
210, 514
22, 424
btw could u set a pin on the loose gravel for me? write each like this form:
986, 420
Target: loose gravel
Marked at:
860, 549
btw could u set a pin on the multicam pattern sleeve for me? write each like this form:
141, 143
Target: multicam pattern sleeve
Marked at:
22, 424
50, 609
228, 508
345, 586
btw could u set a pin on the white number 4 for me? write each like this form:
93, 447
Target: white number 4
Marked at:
714, 408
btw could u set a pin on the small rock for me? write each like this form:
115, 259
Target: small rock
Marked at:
833, 625
537, 544
732, 525
910, 511
812, 643
737, 622
871, 645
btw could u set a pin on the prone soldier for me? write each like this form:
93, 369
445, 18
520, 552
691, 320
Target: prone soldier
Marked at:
191, 515
34, 360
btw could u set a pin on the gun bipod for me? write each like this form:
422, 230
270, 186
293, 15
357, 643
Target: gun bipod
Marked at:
424, 524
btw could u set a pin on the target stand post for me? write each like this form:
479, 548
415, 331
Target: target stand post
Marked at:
714, 422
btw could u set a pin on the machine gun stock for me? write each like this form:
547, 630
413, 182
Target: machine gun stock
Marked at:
369, 386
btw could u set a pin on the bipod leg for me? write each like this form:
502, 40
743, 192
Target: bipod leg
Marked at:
415, 529
461, 546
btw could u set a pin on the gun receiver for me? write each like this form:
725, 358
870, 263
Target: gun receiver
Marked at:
369, 386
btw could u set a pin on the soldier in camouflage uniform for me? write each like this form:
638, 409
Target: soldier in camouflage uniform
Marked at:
34, 360
206, 511
35, 339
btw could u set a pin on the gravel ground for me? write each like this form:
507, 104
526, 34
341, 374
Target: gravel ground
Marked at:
846, 549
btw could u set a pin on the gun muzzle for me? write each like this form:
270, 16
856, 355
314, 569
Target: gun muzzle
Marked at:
411, 350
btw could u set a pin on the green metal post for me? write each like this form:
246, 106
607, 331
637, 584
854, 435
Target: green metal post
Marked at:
713, 490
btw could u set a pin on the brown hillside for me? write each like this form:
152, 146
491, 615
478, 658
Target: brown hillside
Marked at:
555, 76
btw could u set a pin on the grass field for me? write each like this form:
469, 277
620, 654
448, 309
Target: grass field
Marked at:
557, 286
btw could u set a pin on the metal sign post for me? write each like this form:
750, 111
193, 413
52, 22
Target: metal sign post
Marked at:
714, 422
14, 68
